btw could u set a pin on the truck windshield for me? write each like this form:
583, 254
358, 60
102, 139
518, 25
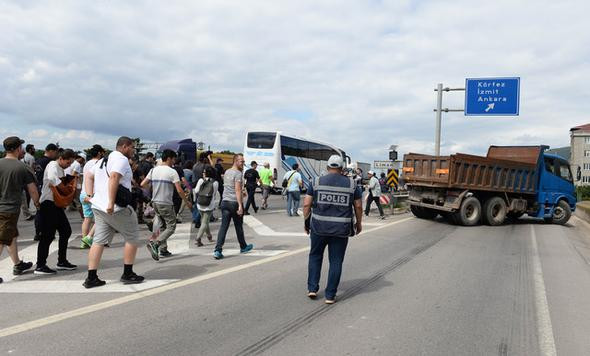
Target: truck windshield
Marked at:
263, 140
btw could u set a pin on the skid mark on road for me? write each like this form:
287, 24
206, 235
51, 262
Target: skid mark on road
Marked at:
35, 324
295, 324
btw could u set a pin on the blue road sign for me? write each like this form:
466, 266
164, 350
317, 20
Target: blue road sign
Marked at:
492, 96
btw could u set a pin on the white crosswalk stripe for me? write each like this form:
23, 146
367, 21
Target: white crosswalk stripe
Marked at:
39, 286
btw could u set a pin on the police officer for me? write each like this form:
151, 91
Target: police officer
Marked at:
328, 209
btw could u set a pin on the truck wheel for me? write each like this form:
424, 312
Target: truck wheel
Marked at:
494, 211
561, 213
423, 213
469, 213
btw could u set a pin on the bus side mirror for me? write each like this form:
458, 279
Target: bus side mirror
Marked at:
579, 174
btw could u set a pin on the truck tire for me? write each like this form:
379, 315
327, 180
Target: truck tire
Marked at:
469, 214
423, 213
494, 211
561, 213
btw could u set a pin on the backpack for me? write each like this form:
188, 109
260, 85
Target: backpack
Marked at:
206, 192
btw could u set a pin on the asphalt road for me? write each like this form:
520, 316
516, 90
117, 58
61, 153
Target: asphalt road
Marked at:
409, 287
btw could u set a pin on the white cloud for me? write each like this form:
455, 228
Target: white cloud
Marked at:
363, 71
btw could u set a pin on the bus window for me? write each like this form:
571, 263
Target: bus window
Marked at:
264, 140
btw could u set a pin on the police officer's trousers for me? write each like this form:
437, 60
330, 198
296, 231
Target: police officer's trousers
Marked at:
336, 251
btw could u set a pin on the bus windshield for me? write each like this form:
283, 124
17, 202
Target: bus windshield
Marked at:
264, 140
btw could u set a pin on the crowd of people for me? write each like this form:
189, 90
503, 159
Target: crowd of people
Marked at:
116, 192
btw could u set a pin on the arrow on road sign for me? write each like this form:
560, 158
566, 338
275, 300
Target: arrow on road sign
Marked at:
490, 107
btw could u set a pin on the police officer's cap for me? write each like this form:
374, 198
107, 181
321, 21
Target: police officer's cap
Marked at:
335, 161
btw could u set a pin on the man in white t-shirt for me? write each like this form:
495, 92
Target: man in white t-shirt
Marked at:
53, 218
96, 153
108, 177
164, 180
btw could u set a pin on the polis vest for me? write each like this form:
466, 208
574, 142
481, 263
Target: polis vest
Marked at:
332, 210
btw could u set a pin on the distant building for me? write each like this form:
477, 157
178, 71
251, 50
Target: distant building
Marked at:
563, 152
580, 152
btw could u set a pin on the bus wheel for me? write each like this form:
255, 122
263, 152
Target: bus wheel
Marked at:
469, 214
561, 213
423, 213
494, 211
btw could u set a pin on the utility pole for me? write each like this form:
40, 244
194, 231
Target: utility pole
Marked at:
439, 89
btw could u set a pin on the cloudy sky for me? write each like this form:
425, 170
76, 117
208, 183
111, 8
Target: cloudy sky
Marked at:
358, 74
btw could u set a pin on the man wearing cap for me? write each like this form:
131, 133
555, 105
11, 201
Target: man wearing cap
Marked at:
374, 194
330, 206
14, 177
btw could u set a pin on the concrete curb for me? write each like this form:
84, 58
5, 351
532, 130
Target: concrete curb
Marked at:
583, 211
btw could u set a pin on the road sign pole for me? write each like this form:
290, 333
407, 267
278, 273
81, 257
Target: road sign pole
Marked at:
438, 119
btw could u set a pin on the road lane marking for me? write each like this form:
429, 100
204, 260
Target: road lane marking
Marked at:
28, 254
544, 327
263, 230
75, 286
52, 319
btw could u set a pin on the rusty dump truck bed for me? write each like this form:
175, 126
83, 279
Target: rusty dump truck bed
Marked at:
511, 169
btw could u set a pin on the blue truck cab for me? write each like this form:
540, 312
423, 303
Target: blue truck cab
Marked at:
556, 187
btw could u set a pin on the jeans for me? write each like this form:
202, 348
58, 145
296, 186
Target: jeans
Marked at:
371, 199
51, 220
229, 211
196, 215
336, 251
293, 199
167, 217
251, 201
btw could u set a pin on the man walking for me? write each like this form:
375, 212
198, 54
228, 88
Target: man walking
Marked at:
219, 178
164, 180
14, 177
252, 180
328, 209
232, 207
294, 186
29, 161
40, 165
109, 190
374, 194
198, 170
266, 182
52, 218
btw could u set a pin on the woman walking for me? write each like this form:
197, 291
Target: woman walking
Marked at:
206, 190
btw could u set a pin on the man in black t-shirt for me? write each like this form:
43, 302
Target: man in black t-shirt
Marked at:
40, 165
252, 179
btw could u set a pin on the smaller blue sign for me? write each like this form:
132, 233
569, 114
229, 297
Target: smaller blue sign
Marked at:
492, 96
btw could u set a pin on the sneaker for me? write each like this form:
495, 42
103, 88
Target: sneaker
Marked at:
382, 217
154, 248
86, 242
312, 295
21, 267
217, 255
199, 243
132, 278
91, 283
330, 301
296, 214
248, 248
210, 238
1, 280
44, 270
256, 210
66, 266
165, 253
246, 213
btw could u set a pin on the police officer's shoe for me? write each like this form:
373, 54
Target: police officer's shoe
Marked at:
330, 301
312, 295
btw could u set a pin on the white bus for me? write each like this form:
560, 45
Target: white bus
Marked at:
282, 151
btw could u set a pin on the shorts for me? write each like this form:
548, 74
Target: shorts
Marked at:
8, 227
123, 222
265, 191
86, 207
